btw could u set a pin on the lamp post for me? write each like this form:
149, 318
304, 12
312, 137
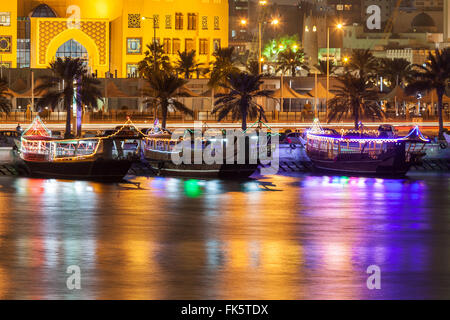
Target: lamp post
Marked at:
273, 22
339, 27
154, 38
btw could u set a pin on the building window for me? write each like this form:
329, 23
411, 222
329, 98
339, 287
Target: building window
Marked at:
203, 49
192, 21
5, 44
216, 44
5, 19
205, 23
156, 20
134, 45
348, 7
132, 70
166, 46
23, 53
134, 20
189, 45
168, 21
72, 49
43, 11
339, 7
178, 21
176, 45
216, 23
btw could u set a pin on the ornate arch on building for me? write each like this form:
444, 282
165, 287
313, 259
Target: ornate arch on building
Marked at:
92, 34
82, 38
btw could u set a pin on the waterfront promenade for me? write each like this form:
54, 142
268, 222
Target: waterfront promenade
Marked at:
430, 127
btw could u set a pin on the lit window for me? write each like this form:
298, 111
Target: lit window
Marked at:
166, 45
168, 21
72, 49
192, 21
216, 44
178, 21
132, 70
216, 23
176, 45
189, 45
205, 23
156, 20
134, 45
5, 19
339, 7
204, 46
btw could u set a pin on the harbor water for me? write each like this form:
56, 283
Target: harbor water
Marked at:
297, 236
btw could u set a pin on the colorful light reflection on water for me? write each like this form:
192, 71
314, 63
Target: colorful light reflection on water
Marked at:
281, 237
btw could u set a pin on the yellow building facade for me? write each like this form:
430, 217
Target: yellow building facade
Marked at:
111, 35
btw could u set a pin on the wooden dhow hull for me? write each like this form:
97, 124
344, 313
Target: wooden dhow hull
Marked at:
95, 169
238, 171
389, 164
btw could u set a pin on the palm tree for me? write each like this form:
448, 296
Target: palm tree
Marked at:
322, 67
243, 89
354, 96
363, 63
164, 91
433, 75
69, 83
397, 71
290, 59
252, 67
224, 64
187, 63
5, 96
155, 59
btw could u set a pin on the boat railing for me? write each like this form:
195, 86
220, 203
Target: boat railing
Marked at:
59, 150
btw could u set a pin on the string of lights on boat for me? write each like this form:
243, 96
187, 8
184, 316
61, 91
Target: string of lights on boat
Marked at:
316, 132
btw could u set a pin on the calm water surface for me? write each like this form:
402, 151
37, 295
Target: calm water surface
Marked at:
280, 237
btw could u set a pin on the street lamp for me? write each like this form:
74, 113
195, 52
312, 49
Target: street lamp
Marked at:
154, 38
273, 22
339, 27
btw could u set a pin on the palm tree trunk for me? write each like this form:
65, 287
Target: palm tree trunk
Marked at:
356, 115
244, 117
164, 109
440, 94
68, 107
